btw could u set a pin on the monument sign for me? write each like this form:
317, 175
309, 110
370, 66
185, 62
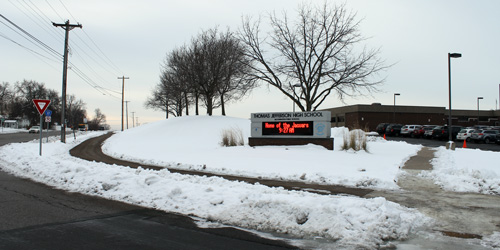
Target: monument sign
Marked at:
291, 128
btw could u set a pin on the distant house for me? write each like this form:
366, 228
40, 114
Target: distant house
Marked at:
15, 123
11, 124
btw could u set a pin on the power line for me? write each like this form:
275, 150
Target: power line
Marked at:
35, 14
54, 10
108, 61
40, 43
68, 10
42, 20
77, 71
30, 50
38, 23
101, 55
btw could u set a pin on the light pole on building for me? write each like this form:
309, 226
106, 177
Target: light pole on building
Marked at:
450, 55
295, 86
394, 111
479, 98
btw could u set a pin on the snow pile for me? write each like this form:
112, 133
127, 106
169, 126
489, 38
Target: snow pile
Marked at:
194, 143
466, 170
349, 220
12, 130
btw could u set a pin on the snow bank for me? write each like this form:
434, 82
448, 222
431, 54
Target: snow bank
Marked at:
350, 221
194, 143
466, 170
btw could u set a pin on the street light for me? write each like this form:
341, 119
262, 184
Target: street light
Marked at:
450, 55
394, 111
479, 98
295, 86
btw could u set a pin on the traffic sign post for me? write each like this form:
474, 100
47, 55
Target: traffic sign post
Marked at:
48, 119
41, 106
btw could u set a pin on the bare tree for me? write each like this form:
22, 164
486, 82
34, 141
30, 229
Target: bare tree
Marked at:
99, 121
5, 97
204, 61
310, 59
235, 82
23, 106
211, 70
75, 110
168, 96
178, 68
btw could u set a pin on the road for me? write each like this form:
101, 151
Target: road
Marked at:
35, 216
23, 137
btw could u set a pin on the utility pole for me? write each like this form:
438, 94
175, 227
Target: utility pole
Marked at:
67, 27
123, 89
133, 119
126, 111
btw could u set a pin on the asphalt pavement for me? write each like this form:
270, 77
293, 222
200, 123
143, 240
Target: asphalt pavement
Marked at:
36, 216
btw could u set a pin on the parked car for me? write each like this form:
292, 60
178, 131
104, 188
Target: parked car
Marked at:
498, 139
465, 134
381, 128
485, 136
407, 130
34, 129
428, 131
442, 132
393, 130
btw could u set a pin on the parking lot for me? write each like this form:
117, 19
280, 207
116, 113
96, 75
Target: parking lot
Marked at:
477, 137
438, 143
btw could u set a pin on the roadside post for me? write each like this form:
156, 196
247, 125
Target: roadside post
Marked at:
1, 121
41, 106
48, 119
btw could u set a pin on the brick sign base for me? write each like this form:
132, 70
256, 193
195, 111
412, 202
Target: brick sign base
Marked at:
325, 142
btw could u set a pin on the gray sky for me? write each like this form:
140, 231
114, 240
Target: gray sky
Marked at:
135, 36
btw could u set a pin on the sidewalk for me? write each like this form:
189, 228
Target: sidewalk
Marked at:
464, 215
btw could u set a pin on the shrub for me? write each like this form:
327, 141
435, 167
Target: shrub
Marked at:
355, 139
232, 137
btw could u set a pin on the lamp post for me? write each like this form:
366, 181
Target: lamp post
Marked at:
450, 55
295, 86
394, 110
479, 98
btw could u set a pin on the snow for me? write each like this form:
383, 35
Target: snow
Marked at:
194, 143
466, 170
12, 130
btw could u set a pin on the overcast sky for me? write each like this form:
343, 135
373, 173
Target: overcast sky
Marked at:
133, 37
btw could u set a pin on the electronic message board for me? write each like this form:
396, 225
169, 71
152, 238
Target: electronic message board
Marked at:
291, 124
288, 128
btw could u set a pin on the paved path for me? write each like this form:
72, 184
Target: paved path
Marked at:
467, 215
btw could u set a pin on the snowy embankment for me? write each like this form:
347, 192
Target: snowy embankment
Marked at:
466, 170
194, 143
350, 221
